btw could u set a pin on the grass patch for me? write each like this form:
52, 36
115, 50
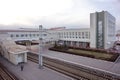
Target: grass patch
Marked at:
97, 54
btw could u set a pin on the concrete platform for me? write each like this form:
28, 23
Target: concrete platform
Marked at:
32, 72
112, 67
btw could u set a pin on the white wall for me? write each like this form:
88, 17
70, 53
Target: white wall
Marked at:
93, 30
109, 30
80, 35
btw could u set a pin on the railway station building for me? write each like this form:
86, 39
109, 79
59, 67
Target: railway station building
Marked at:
101, 33
11, 51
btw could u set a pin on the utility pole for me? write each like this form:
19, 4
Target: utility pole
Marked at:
40, 47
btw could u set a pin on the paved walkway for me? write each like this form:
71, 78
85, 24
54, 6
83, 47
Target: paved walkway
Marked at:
32, 72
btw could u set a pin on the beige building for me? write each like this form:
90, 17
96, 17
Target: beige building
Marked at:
12, 52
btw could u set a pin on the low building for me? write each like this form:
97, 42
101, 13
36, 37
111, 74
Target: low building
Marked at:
12, 52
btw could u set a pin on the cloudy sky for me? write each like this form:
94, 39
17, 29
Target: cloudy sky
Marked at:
54, 13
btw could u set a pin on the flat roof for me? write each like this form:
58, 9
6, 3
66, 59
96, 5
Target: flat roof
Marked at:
37, 30
12, 47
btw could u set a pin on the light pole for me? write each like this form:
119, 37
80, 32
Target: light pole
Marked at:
40, 47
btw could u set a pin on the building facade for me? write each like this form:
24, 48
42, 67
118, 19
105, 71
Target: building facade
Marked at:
75, 37
102, 30
11, 51
101, 33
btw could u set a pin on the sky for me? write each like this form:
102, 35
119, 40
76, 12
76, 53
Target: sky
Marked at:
54, 13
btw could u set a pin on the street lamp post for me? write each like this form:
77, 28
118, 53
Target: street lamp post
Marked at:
40, 47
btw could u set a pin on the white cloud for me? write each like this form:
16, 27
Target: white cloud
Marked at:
52, 13
20, 11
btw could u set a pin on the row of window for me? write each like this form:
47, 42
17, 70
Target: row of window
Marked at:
75, 35
83, 35
26, 35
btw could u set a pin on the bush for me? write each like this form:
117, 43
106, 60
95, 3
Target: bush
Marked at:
113, 58
54, 49
90, 49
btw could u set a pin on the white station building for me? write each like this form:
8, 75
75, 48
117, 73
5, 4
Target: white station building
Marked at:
101, 33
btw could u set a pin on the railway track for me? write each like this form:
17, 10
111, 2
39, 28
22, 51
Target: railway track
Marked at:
74, 71
55, 67
5, 74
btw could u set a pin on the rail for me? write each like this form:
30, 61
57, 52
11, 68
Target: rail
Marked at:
5, 74
55, 67
75, 70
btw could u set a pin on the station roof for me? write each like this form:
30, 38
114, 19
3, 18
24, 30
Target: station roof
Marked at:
12, 47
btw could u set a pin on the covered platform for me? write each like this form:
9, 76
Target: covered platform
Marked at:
12, 52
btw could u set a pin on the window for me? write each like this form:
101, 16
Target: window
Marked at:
76, 33
26, 35
30, 35
22, 35
73, 33
37, 34
89, 35
86, 35
59, 34
83, 35
67, 33
44, 34
79, 34
34, 35
17, 35
11, 35
70, 34
64, 33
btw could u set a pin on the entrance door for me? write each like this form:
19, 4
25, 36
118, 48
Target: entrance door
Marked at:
20, 58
